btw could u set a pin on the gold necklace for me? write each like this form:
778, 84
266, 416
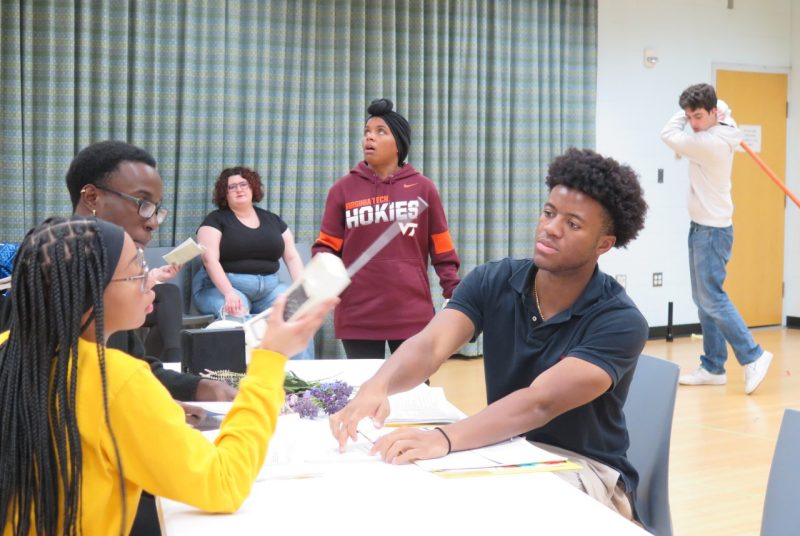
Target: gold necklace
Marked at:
536, 298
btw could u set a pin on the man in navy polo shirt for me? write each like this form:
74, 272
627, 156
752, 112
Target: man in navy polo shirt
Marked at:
561, 340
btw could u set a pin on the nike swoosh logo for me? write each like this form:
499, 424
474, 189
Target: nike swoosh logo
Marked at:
410, 185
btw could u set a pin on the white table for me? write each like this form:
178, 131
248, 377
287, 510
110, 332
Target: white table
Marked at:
372, 497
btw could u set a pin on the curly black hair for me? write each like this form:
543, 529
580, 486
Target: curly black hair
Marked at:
613, 185
95, 163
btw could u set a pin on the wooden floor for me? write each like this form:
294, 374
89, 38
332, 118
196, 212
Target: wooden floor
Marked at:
722, 440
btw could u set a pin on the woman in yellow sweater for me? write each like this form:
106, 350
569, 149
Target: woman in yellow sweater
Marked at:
82, 422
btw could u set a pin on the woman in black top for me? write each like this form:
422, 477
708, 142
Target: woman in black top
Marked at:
244, 245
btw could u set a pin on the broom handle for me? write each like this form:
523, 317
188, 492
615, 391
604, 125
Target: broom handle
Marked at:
770, 173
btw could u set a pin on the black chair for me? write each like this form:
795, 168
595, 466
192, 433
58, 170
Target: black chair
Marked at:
191, 317
648, 412
305, 255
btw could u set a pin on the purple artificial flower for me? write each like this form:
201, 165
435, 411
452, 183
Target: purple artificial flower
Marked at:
329, 397
332, 396
305, 407
289, 403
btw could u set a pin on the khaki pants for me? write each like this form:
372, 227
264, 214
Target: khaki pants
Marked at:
597, 480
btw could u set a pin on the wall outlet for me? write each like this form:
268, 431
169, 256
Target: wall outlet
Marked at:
622, 279
658, 279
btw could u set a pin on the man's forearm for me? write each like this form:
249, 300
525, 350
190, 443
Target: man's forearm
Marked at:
422, 355
673, 132
410, 365
510, 416
567, 385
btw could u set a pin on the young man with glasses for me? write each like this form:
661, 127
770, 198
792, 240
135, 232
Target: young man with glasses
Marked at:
146, 208
118, 182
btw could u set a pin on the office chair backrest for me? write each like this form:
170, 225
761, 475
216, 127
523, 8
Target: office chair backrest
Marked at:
648, 412
305, 255
191, 317
154, 255
782, 503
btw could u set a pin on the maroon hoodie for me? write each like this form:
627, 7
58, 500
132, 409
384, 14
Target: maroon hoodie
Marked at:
389, 298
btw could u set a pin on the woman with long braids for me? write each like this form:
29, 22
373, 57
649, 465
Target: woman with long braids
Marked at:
81, 421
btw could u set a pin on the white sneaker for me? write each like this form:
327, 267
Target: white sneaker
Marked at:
701, 376
755, 372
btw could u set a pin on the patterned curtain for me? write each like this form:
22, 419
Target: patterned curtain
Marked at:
493, 90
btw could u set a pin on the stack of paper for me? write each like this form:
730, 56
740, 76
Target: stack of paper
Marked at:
422, 405
514, 456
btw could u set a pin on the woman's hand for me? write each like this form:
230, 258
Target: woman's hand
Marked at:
233, 304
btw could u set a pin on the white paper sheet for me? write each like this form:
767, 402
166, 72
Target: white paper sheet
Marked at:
422, 405
516, 451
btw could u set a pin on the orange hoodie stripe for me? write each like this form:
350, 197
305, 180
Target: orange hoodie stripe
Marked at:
330, 241
442, 242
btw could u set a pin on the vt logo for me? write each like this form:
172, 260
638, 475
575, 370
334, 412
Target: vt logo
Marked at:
408, 228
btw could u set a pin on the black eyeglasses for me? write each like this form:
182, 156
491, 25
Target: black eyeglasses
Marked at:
142, 276
147, 209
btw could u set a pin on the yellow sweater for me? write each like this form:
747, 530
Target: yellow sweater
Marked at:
159, 451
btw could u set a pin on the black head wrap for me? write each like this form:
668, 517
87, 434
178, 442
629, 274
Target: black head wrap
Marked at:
113, 238
36, 251
398, 124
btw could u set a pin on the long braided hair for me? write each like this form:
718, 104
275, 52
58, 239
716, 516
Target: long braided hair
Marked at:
59, 276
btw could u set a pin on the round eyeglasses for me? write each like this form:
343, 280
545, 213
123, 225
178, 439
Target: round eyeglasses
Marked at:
142, 276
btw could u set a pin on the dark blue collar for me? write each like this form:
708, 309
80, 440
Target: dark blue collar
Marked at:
522, 277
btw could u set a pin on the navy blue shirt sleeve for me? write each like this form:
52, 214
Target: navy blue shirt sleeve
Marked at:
468, 298
613, 341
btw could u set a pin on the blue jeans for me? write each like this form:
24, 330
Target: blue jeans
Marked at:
709, 253
257, 293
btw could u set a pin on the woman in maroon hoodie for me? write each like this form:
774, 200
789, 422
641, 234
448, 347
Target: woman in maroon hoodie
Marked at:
389, 299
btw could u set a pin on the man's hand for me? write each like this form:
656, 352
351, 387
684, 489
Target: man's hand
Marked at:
212, 391
408, 445
369, 402
194, 414
723, 112
164, 273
